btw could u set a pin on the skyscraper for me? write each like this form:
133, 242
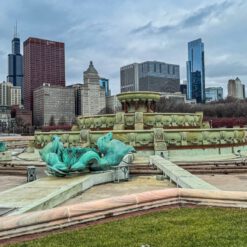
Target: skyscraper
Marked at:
236, 89
44, 62
15, 63
196, 71
150, 76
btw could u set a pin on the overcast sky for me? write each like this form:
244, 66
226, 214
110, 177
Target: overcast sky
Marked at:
113, 33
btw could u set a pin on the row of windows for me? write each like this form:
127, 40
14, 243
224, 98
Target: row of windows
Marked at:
159, 68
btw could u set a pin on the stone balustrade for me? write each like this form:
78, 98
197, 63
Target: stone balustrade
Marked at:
157, 139
140, 120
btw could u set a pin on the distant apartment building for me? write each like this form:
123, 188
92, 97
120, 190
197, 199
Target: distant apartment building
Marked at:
150, 76
236, 89
53, 102
104, 83
9, 94
196, 71
44, 62
213, 94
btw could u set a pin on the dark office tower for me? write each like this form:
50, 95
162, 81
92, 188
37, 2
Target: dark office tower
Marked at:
15, 64
196, 71
43, 63
150, 76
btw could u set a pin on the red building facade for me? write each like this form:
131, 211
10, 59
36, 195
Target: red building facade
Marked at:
44, 62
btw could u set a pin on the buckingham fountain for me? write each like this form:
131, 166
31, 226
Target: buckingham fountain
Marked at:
171, 135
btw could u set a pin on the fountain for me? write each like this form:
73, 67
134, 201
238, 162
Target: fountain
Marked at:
150, 132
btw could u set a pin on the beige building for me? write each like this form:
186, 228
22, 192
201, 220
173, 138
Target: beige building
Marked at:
16, 95
9, 94
53, 102
90, 97
113, 104
236, 89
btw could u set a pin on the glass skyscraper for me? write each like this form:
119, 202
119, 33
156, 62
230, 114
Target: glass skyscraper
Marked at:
15, 64
196, 71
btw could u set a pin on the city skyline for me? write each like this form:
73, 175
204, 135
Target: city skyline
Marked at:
131, 32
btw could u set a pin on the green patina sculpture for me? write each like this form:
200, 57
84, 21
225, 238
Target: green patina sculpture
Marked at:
62, 161
3, 147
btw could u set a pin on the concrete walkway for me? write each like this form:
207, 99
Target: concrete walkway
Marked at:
136, 184
179, 176
49, 192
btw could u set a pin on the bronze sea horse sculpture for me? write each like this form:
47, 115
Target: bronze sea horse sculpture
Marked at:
62, 161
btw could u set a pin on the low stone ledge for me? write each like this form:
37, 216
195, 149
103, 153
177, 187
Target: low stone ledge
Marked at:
57, 218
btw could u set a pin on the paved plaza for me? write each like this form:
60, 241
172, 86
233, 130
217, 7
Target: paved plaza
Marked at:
134, 185
229, 182
9, 182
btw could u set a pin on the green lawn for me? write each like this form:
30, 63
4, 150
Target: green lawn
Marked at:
202, 227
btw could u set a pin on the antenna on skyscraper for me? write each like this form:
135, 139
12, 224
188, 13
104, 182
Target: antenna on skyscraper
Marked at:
15, 30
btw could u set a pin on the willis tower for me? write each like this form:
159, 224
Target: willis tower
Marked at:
15, 64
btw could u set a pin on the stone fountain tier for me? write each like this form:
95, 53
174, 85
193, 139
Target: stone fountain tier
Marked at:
138, 101
138, 113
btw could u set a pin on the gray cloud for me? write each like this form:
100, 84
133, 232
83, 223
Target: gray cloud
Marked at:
196, 18
104, 31
229, 68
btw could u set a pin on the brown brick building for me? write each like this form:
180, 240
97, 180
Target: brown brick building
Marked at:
44, 62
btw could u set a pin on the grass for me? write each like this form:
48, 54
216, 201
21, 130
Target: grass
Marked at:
184, 227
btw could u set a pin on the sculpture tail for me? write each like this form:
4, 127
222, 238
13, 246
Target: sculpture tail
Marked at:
88, 159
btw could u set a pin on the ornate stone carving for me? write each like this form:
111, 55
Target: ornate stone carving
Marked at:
148, 121
144, 139
119, 122
228, 136
139, 120
183, 138
173, 138
97, 123
130, 121
132, 139
194, 138
158, 135
166, 121
214, 137
239, 136
85, 138
73, 139
158, 123
110, 122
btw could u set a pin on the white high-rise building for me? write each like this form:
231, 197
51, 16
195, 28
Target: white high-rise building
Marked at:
236, 89
9, 94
